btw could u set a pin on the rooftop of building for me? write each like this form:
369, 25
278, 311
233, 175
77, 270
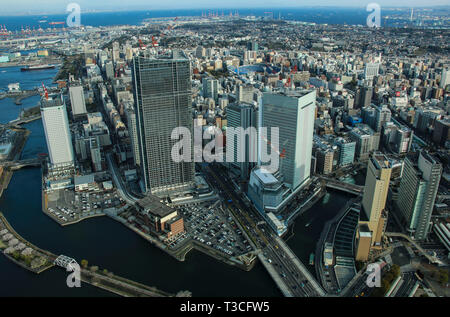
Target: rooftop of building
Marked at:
84, 179
265, 177
364, 230
380, 160
362, 129
297, 93
153, 205
174, 55
52, 101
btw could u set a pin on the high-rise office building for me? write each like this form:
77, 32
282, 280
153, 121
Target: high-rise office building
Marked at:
371, 70
346, 151
242, 116
252, 46
77, 99
293, 113
163, 100
132, 132
115, 52
324, 157
363, 96
96, 156
200, 52
245, 93
211, 88
57, 131
441, 132
417, 192
445, 78
376, 189
382, 115
366, 140
109, 70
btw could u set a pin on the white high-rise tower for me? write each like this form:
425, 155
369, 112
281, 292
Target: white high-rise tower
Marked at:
57, 132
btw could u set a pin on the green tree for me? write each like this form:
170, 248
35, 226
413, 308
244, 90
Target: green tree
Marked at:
395, 270
84, 263
443, 277
94, 268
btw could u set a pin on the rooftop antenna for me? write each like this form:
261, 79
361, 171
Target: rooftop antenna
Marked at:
45, 91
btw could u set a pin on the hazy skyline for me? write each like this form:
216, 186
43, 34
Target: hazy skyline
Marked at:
56, 6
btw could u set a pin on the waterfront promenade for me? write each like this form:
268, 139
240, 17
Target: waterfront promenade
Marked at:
43, 260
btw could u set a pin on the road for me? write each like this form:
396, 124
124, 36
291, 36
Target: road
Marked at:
262, 236
117, 181
409, 280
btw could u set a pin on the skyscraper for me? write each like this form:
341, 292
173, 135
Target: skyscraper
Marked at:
245, 93
346, 151
417, 192
293, 113
242, 116
371, 70
132, 131
382, 115
57, 131
162, 92
375, 194
96, 156
77, 100
211, 88
445, 78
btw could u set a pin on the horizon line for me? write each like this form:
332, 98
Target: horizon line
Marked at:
87, 11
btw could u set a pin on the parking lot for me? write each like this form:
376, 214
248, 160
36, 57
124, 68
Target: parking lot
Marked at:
66, 205
211, 226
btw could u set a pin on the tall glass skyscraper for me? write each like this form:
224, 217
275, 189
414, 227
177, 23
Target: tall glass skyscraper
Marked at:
57, 131
163, 98
242, 116
417, 193
293, 113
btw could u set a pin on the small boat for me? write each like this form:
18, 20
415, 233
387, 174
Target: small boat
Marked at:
308, 224
311, 259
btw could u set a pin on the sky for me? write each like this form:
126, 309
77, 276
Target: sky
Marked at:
59, 6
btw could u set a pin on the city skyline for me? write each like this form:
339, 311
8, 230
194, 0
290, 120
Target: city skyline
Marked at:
56, 7
191, 153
